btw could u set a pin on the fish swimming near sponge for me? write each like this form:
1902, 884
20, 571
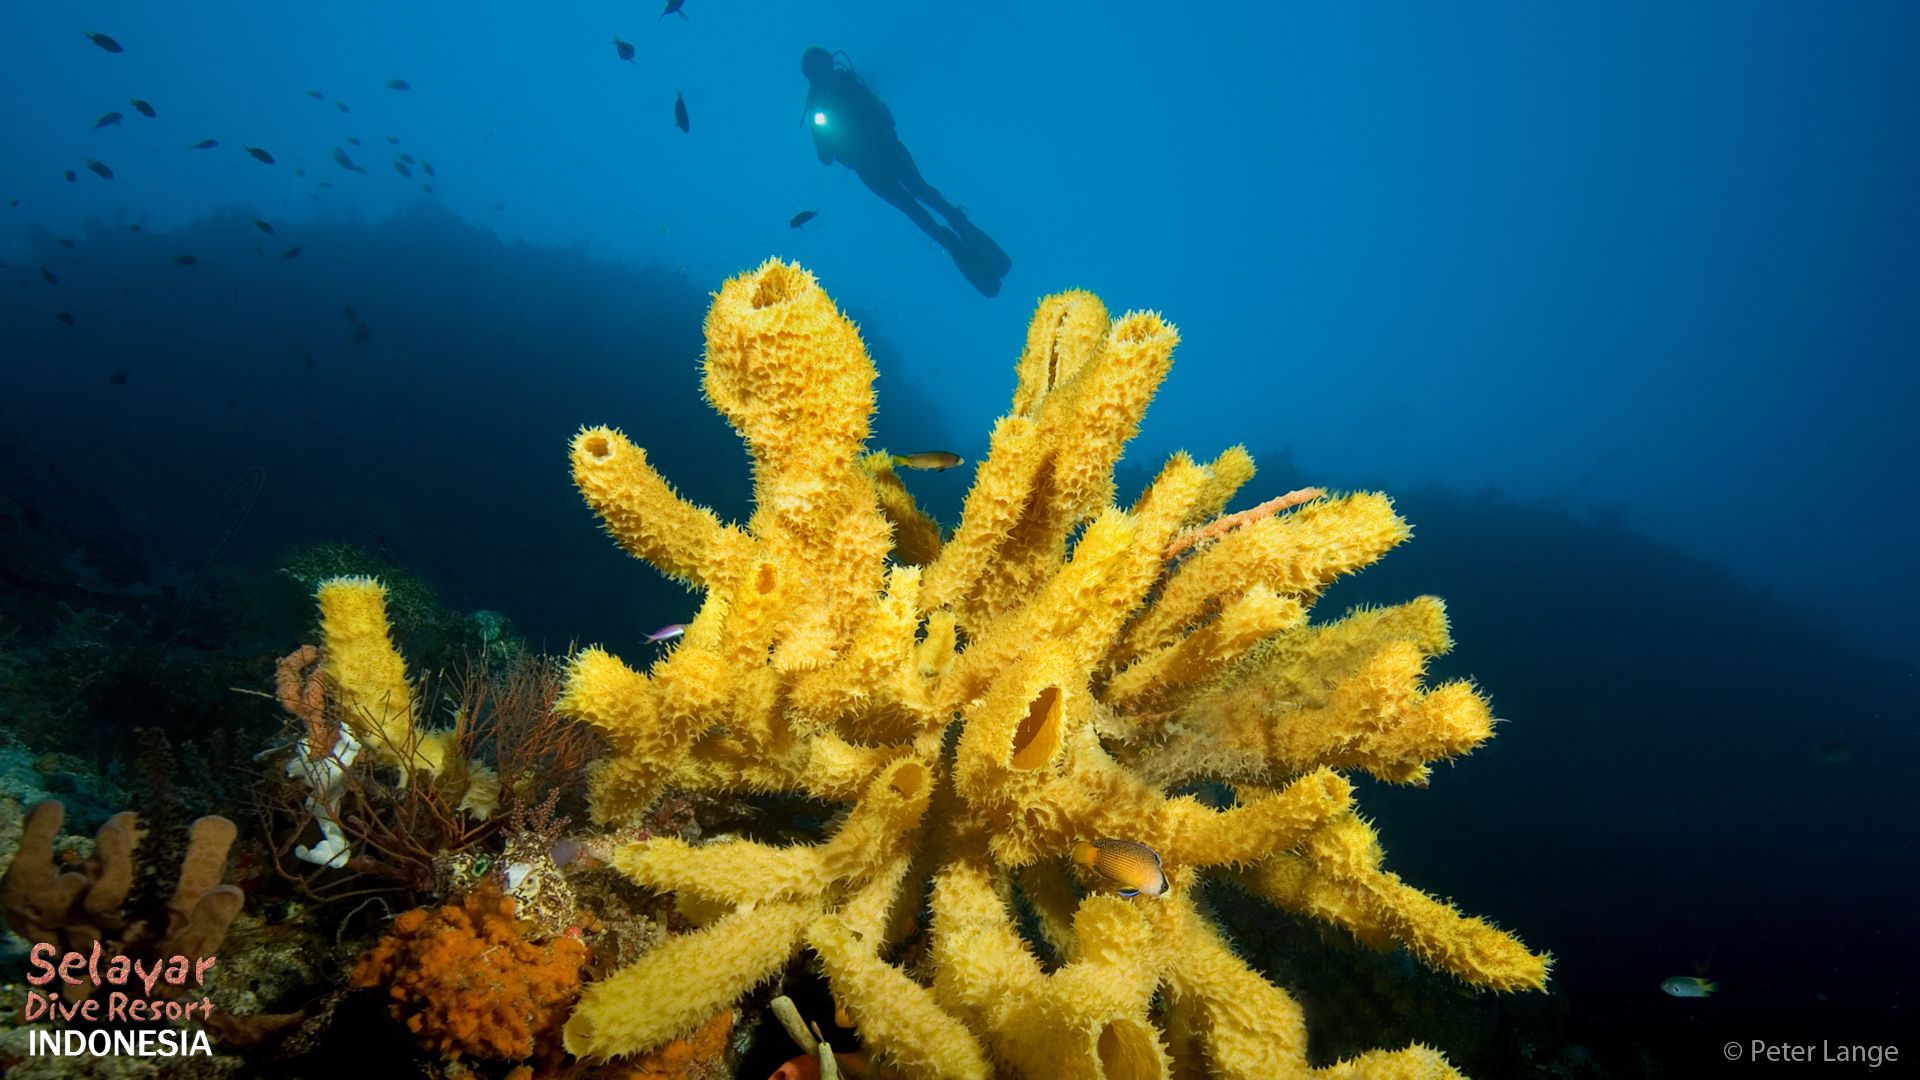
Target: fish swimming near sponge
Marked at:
1128, 866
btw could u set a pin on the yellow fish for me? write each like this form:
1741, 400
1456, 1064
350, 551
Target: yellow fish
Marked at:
1132, 868
930, 460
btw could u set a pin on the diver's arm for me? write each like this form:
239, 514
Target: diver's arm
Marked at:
819, 144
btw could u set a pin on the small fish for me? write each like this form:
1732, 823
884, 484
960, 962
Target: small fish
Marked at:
145, 109
135, 228
186, 260
353, 140
398, 84
1688, 986
680, 112
362, 334
342, 106
801, 218
205, 144
262, 226
118, 378
426, 166
292, 253
72, 176
1131, 867
259, 155
48, 274
393, 140
928, 460
103, 41
326, 183
624, 48
408, 158
428, 188
673, 8
106, 120
316, 95
666, 633
260, 250
341, 159
348, 311
401, 168
64, 316
66, 243
301, 173
100, 169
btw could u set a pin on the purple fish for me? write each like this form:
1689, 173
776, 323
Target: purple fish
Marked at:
666, 633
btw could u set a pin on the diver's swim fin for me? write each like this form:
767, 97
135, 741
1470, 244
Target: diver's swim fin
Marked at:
981, 261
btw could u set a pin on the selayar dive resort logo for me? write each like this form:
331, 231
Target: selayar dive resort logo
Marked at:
115, 967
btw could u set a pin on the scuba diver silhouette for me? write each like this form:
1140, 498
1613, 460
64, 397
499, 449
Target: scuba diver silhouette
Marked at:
851, 125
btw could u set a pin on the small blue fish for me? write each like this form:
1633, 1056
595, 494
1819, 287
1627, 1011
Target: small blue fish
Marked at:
1688, 986
666, 633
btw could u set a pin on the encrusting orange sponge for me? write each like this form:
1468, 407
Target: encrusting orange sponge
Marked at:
1040, 677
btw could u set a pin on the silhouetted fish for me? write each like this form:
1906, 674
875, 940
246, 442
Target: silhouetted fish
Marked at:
801, 218
401, 168
103, 41
135, 228
341, 159
408, 158
348, 311
72, 176
100, 169
342, 106
315, 95
107, 120
673, 8
66, 243
64, 316
326, 183
262, 226
428, 188
259, 155
398, 84
292, 253
186, 260
205, 144
118, 378
353, 140
426, 166
393, 140
260, 250
361, 334
624, 48
680, 112
144, 109
49, 275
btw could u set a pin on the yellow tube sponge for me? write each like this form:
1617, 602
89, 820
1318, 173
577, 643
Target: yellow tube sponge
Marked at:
983, 700
366, 670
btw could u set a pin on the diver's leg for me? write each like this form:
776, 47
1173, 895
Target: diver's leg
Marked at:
888, 187
918, 187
